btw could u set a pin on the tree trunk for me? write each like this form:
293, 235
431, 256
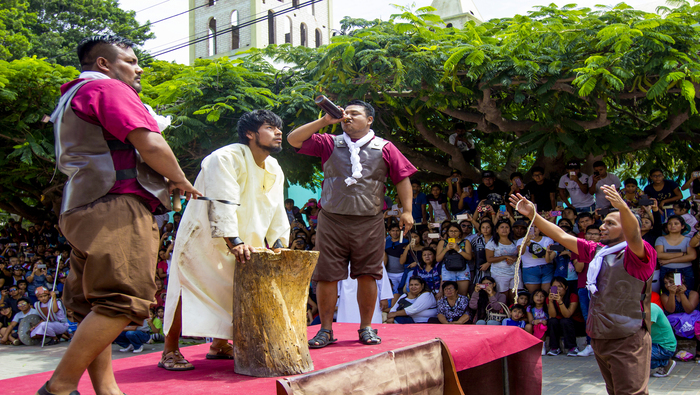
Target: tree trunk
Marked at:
269, 313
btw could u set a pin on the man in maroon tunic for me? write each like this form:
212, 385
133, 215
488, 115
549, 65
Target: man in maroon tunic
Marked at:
351, 221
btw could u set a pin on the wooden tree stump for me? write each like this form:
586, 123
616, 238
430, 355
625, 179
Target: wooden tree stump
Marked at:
269, 313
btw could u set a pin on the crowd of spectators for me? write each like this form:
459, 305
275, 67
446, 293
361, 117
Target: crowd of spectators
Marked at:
457, 265
34, 265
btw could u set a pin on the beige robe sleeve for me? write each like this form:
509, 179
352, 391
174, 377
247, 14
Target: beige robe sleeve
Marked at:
225, 177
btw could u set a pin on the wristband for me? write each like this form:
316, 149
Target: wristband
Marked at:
235, 241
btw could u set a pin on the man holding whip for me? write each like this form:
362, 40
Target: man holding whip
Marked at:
619, 280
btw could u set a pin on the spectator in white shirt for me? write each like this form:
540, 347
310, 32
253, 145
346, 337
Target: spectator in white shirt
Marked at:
464, 141
575, 184
601, 177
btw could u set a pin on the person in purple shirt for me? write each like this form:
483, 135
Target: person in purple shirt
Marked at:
619, 279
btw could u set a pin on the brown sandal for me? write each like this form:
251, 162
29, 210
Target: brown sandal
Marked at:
225, 352
174, 361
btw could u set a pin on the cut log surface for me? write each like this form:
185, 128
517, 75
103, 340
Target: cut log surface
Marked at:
269, 313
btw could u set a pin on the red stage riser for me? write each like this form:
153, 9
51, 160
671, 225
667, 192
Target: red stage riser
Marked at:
470, 346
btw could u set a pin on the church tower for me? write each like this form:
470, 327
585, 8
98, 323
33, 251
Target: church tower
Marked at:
457, 12
297, 22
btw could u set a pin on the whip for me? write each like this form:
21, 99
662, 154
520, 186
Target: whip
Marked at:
48, 311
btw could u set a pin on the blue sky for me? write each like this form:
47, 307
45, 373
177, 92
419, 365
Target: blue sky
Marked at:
175, 30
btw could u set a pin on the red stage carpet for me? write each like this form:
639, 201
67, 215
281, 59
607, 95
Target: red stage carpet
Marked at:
470, 346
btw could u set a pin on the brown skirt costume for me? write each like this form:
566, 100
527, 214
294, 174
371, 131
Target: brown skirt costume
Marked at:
113, 262
358, 240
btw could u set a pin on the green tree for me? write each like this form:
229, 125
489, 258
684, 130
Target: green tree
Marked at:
52, 28
555, 84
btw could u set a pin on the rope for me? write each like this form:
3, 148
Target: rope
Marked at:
516, 277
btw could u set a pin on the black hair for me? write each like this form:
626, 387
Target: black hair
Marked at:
436, 185
599, 163
568, 221
22, 281
456, 171
538, 291
676, 217
596, 227
655, 170
584, 215
24, 298
452, 283
87, 44
414, 181
561, 280
631, 181
288, 201
420, 280
682, 204
519, 307
369, 110
516, 174
252, 121
394, 225
160, 308
497, 237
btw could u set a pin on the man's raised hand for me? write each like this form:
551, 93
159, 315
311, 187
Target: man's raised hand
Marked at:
614, 197
522, 205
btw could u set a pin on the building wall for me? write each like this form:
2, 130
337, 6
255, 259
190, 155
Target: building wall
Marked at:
256, 35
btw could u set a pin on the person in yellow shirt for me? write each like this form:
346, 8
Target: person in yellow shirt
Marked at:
211, 234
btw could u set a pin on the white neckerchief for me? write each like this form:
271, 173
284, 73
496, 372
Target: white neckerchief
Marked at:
597, 263
354, 155
163, 122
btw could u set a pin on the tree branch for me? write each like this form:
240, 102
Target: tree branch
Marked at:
494, 115
660, 132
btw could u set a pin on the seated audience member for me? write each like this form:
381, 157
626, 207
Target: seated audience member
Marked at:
53, 314
437, 205
455, 254
160, 293
134, 337
631, 193
12, 298
415, 306
518, 317
519, 229
602, 177
453, 307
663, 344
674, 253
536, 261
563, 317
25, 309
162, 266
677, 298
298, 244
484, 299
537, 314
682, 208
39, 277
311, 209
542, 190
411, 257
6, 316
469, 198
575, 185
693, 183
429, 271
155, 322
523, 300
501, 254
566, 224
663, 190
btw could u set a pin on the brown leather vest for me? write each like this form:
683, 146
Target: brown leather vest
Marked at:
622, 304
83, 154
366, 198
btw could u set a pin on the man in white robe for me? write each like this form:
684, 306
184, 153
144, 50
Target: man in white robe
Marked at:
213, 235
349, 309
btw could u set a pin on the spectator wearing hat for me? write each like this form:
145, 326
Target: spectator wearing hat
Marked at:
6, 315
542, 190
492, 189
601, 177
25, 309
519, 229
575, 184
